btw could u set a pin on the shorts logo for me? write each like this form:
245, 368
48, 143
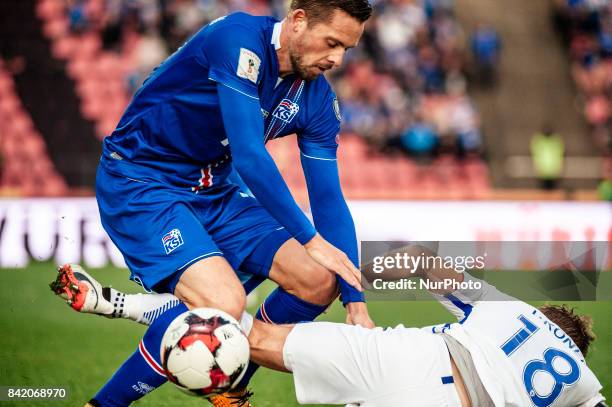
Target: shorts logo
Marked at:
172, 240
286, 111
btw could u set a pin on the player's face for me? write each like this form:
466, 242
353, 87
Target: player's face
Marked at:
321, 46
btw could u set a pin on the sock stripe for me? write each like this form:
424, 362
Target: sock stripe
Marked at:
151, 316
264, 314
149, 359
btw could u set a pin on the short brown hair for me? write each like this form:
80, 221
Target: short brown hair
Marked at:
578, 327
321, 10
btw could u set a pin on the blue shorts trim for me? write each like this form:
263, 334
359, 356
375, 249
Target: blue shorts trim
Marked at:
260, 260
168, 285
254, 270
161, 230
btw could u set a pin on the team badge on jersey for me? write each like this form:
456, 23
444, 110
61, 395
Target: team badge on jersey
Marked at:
172, 240
337, 109
248, 65
286, 111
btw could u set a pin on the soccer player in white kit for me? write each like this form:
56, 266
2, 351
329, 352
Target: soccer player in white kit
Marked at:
501, 352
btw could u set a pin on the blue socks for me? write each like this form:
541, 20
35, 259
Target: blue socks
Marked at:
142, 372
282, 308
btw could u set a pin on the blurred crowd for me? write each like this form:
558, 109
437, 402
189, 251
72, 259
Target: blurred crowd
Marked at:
585, 27
404, 88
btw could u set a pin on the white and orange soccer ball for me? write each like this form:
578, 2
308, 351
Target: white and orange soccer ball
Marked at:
204, 351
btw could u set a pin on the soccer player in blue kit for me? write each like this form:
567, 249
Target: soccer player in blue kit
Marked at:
168, 198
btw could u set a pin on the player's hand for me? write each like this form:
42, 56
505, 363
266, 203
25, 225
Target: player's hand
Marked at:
334, 260
357, 314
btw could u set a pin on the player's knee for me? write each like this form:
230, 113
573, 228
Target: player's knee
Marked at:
229, 299
235, 307
319, 288
234, 303
212, 283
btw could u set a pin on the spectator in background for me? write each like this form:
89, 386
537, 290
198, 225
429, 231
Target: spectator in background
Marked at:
412, 55
464, 122
77, 18
486, 48
547, 154
150, 52
585, 27
420, 140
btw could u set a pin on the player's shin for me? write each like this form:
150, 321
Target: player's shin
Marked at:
134, 379
282, 307
142, 372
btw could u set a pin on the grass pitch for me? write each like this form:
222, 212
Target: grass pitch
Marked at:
45, 344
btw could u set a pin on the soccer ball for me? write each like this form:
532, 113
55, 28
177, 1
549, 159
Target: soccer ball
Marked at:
204, 351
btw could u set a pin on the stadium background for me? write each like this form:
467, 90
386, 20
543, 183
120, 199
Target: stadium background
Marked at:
444, 104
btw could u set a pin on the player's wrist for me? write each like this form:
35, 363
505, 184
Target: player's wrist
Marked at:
314, 241
308, 238
356, 306
350, 296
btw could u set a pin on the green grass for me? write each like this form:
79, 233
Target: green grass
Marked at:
44, 343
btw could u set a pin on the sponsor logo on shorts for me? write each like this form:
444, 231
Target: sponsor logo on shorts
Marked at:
172, 240
286, 110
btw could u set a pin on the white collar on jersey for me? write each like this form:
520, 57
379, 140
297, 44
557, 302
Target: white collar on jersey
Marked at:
276, 35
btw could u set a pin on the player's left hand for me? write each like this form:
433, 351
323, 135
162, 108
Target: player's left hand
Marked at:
357, 314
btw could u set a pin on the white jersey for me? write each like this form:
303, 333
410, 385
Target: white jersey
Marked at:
521, 357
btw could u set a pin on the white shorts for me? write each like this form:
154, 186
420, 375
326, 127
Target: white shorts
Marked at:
344, 364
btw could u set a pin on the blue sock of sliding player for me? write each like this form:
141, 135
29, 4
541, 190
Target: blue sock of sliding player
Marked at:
142, 372
282, 308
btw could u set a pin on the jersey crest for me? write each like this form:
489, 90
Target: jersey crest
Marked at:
286, 110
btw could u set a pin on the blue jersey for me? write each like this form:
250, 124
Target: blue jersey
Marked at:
218, 99
174, 125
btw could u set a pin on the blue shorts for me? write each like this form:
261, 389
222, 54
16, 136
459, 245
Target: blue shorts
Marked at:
161, 230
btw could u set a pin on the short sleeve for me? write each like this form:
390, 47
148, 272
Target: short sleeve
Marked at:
234, 54
320, 137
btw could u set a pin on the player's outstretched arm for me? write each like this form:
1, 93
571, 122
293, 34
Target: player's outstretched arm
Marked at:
244, 128
334, 221
324, 358
267, 342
